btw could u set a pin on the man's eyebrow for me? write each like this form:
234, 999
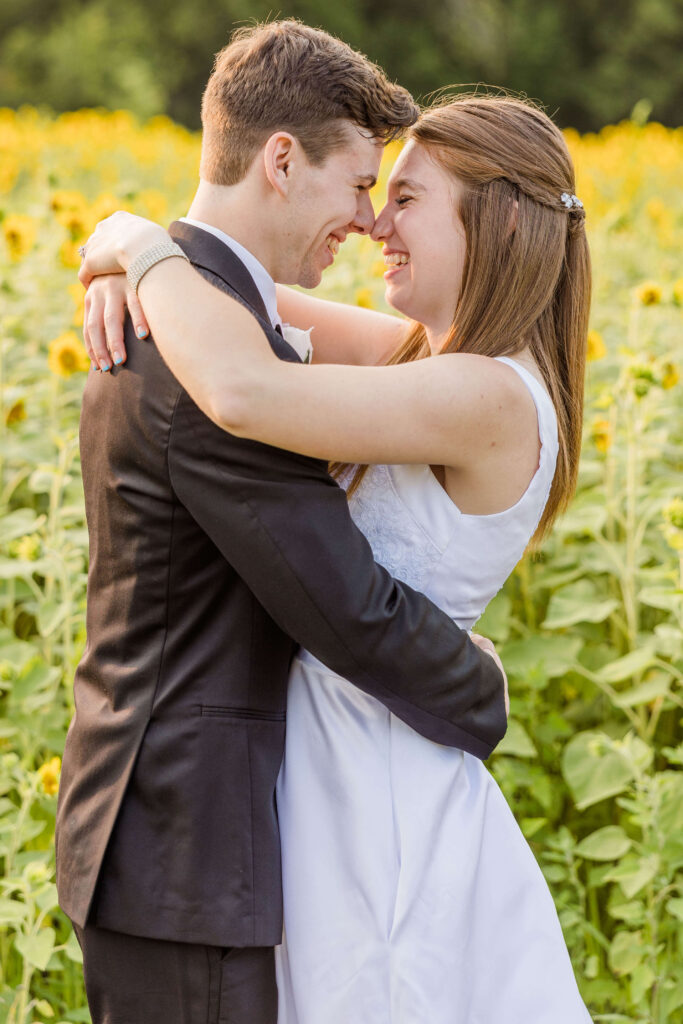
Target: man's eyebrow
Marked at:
410, 183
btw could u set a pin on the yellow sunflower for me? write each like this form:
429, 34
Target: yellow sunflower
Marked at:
49, 775
20, 234
66, 355
649, 293
596, 346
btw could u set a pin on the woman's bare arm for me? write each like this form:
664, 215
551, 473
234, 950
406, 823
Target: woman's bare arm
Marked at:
449, 410
457, 410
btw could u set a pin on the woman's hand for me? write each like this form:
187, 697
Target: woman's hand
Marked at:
105, 309
116, 242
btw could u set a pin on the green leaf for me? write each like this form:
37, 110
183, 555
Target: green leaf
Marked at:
594, 769
495, 622
642, 980
634, 873
665, 598
80, 1016
14, 568
16, 652
530, 826
658, 686
12, 911
626, 952
674, 755
44, 1008
73, 950
630, 665
675, 907
579, 602
671, 803
18, 524
608, 843
38, 678
516, 741
50, 615
551, 655
592, 967
584, 518
47, 898
632, 912
37, 949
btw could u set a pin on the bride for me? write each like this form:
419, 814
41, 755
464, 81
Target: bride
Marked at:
411, 895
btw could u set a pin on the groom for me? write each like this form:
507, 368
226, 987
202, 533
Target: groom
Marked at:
211, 559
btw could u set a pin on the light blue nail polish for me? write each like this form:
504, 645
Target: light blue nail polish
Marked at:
105, 367
118, 360
142, 333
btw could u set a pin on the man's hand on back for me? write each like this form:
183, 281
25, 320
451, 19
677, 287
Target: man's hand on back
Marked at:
487, 645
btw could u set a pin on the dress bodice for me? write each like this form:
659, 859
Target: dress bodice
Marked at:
458, 560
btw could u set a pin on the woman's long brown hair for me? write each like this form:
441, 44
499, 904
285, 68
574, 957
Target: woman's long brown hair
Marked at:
526, 286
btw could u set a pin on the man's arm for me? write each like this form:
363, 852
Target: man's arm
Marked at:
285, 526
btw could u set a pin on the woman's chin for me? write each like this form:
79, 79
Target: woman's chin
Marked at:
398, 300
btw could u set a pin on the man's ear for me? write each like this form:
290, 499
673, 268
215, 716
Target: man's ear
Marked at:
280, 154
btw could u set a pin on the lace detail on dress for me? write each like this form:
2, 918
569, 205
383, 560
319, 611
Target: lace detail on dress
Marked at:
398, 542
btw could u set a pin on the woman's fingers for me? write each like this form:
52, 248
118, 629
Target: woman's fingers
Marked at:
93, 328
86, 335
103, 328
137, 316
114, 313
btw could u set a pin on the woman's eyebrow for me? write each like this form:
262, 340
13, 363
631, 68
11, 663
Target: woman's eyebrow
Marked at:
410, 183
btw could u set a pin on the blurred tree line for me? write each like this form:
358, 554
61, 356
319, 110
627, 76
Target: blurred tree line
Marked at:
588, 63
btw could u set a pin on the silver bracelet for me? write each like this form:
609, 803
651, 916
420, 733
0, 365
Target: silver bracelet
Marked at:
147, 259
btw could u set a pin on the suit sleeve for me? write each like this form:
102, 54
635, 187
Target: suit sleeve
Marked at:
284, 525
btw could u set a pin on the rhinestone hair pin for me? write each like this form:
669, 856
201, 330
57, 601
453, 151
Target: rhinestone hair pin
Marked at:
571, 201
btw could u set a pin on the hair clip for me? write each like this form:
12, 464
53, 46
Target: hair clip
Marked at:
571, 201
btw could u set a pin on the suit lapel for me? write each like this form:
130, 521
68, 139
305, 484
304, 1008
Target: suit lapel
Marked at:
206, 252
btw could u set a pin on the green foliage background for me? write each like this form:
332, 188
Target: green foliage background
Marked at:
590, 63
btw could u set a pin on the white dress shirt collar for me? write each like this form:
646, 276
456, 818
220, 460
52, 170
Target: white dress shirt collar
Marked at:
262, 279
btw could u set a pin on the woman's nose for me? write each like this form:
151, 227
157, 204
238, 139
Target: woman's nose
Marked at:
382, 226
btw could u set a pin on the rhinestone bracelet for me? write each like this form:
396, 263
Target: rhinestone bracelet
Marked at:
147, 259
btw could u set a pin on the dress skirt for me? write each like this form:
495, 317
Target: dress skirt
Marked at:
411, 896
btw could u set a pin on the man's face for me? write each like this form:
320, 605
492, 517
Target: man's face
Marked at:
327, 203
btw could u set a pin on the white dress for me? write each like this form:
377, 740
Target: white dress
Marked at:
410, 893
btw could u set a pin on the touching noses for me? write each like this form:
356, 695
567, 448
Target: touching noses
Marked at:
383, 226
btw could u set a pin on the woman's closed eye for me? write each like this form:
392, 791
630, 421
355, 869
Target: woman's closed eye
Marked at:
402, 200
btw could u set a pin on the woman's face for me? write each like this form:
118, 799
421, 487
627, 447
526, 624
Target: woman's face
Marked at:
424, 241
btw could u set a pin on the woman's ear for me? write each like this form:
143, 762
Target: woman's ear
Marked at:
280, 155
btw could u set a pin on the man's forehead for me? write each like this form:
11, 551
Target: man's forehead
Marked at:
359, 143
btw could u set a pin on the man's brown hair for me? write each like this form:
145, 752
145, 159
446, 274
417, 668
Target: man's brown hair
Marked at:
285, 76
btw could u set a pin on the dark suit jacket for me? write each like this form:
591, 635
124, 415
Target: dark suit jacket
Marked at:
211, 558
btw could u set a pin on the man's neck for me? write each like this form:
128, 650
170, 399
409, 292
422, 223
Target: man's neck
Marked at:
231, 210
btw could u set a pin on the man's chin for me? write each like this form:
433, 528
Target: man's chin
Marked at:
310, 277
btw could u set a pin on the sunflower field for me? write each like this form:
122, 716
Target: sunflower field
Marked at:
590, 627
